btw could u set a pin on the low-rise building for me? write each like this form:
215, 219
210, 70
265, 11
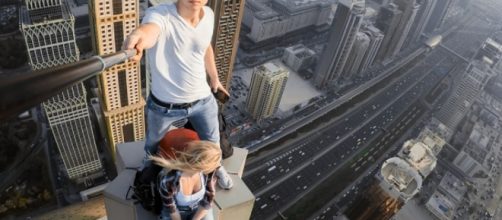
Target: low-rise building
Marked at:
267, 19
298, 57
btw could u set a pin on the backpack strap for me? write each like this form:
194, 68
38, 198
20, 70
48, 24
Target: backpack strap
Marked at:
210, 192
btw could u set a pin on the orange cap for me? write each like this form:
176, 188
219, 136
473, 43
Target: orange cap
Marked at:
176, 140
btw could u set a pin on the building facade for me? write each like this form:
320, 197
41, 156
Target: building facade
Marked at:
464, 95
120, 85
356, 56
410, 9
274, 18
422, 18
48, 30
348, 18
266, 89
438, 15
397, 20
388, 21
376, 37
228, 19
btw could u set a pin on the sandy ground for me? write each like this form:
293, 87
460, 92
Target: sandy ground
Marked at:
297, 89
89, 210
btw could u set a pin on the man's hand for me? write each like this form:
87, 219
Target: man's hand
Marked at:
142, 38
135, 41
215, 85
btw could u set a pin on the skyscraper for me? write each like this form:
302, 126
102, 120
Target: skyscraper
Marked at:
421, 20
266, 88
409, 9
463, 96
356, 56
438, 15
376, 37
388, 21
48, 30
348, 17
228, 17
120, 85
396, 19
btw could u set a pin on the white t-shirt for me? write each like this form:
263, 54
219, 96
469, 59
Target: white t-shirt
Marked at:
176, 61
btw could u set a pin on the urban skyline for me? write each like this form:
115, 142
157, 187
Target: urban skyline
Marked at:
340, 109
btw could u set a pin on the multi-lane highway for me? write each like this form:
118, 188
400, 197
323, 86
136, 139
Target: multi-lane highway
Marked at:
281, 179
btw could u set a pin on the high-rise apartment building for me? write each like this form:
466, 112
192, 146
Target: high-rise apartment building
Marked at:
48, 30
120, 85
376, 37
438, 15
266, 89
388, 21
463, 97
348, 18
421, 20
410, 9
356, 56
396, 19
228, 16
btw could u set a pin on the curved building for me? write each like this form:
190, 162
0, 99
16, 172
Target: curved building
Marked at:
419, 156
401, 180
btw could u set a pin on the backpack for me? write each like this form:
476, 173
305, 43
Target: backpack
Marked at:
145, 188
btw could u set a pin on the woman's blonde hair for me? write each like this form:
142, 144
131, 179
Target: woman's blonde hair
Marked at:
204, 156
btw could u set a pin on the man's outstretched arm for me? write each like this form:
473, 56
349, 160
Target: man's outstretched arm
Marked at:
212, 72
144, 37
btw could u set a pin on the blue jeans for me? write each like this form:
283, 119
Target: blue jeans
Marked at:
186, 215
203, 116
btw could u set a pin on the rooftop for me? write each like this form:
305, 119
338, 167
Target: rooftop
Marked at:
277, 8
419, 156
44, 15
441, 206
401, 176
293, 6
453, 186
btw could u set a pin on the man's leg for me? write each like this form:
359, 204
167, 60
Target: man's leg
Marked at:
204, 119
158, 120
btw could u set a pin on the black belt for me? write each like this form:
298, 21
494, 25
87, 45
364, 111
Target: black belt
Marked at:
173, 105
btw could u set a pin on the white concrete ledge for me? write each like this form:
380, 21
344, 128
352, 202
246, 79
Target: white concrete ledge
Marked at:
236, 203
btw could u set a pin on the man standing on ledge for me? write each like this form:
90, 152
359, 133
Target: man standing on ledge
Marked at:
178, 37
